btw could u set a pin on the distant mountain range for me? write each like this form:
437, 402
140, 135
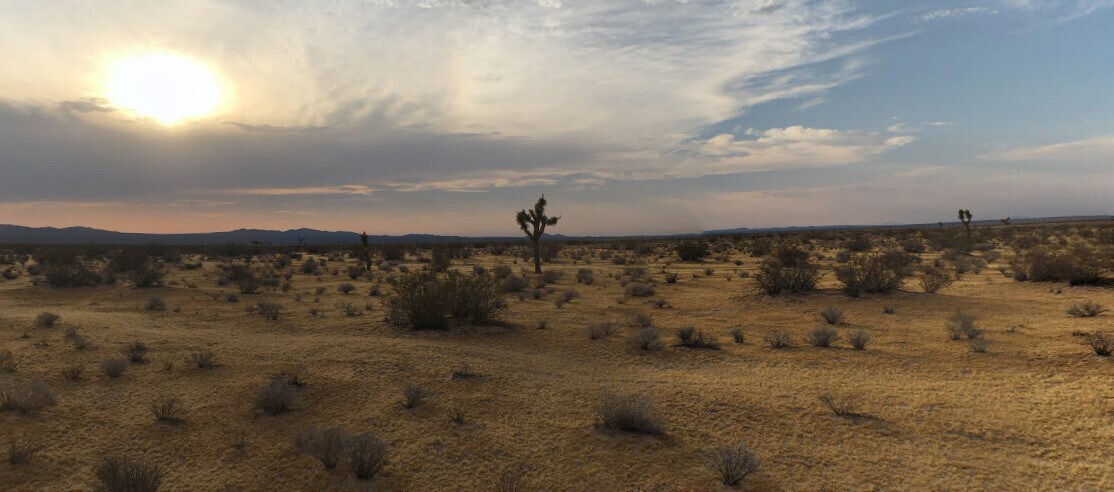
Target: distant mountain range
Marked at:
13, 234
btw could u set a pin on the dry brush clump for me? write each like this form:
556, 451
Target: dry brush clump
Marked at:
693, 338
648, 338
778, 339
113, 367
859, 339
26, 397
427, 300
1102, 343
117, 473
169, 410
47, 319
823, 336
733, 463
23, 447
1078, 265
788, 271
876, 273
832, 316
628, 413
274, 398
962, 325
845, 406
934, 278
1086, 309
603, 329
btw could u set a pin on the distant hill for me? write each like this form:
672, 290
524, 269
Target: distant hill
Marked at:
14, 234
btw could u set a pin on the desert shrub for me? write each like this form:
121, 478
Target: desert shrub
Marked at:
346, 288
670, 278
733, 463
1102, 343
872, 273
73, 373
858, 244
692, 250
327, 444
1086, 309
309, 267
155, 303
113, 367
366, 455
737, 335
913, 245
778, 339
640, 290
978, 345
585, 276
147, 275
823, 336
551, 276
203, 360
691, 337
968, 263
1080, 265
245, 279
26, 397
603, 329
136, 352
648, 338
513, 479
846, 406
426, 300
935, 278
859, 339
47, 319
269, 310
23, 447
457, 415
274, 398
75, 274
122, 474
169, 410
788, 271
660, 303
628, 413
413, 395
502, 272
8, 361
641, 320
962, 325
832, 315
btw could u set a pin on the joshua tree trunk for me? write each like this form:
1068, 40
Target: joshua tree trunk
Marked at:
533, 223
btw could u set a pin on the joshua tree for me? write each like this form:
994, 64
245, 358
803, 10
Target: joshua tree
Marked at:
1005, 221
538, 220
364, 253
965, 218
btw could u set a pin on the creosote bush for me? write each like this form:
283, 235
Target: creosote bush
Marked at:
737, 335
603, 329
638, 289
934, 278
118, 473
691, 337
628, 413
136, 352
778, 339
327, 444
156, 303
113, 367
47, 319
648, 338
274, 398
788, 271
366, 455
733, 463
881, 273
426, 300
823, 336
269, 310
203, 360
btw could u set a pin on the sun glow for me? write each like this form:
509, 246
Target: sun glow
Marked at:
166, 87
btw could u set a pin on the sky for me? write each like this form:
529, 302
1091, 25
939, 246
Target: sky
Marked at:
631, 116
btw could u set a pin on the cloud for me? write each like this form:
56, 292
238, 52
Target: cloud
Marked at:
307, 190
954, 13
796, 147
1090, 150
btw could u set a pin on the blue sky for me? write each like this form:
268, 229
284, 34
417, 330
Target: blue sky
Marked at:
632, 116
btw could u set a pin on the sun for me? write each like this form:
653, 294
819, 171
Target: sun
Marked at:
166, 87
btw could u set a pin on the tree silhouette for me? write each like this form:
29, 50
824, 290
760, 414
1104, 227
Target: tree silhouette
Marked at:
533, 223
965, 218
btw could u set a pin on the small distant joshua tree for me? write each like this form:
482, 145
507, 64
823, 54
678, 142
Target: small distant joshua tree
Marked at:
1005, 221
538, 220
364, 252
965, 218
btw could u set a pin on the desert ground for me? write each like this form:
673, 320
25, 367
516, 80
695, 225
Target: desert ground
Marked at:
1031, 408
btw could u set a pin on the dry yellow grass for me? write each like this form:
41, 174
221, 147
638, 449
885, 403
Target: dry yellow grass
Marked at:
1036, 412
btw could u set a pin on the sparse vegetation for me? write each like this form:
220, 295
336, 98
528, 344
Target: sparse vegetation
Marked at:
117, 473
823, 336
1086, 309
733, 463
113, 367
26, 397
274, 398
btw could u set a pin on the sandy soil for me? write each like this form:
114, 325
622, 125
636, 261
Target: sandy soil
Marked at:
1036, 412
